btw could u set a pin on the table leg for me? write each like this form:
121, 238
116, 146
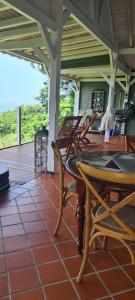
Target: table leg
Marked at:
80, 213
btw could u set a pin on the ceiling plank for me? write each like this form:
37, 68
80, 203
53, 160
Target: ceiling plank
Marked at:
13, 22
15, 33
19, 45
76, 40
89, 25
30, 11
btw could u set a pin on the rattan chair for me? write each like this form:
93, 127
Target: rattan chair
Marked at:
108, 219
130, 143
66, 191
82, 132
69, 126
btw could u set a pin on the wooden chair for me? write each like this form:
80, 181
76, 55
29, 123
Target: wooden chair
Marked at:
69, 126
66, 191
108, 219
82, 138
130, 143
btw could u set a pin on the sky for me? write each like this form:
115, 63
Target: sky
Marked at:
19, 82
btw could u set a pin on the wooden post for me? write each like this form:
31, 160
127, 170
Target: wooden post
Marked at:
110, 105
18, 125
77, 98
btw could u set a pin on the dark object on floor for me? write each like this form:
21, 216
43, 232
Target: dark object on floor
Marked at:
4, 178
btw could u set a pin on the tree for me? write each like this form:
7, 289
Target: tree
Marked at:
43, 97
67, 95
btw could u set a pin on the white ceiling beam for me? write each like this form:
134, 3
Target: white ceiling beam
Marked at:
23, 55
121, 84
127, 51
132, 81
89, 70
13, 22
105, 77
19, 45
123, 67
46, 40
64, 58
14, 33
89, 25
44, 59
3, 7
69, 23
30, 11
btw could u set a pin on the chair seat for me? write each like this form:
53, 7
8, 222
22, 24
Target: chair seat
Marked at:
72, 186
126, 214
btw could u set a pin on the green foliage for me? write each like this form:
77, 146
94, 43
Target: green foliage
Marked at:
33, 117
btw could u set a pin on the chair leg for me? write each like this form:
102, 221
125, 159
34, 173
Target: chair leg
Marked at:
62, 202
84, 261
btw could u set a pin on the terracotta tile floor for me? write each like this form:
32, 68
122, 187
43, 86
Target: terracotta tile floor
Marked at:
35, 265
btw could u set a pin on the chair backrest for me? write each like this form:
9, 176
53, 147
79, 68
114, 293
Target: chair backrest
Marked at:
105, 177
130, 143
59, 145
69, 125
88, 120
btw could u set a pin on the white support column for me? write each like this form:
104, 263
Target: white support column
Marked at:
126, 90
110, 106
107, 119
54, 87
77, 98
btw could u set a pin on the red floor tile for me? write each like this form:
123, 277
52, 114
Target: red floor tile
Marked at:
45, 254
67, 249
30, 216
2, 264
15, 243
1, 247
5, 211
12, 230
52, 272
91, 288
23, 279
116, 280
24, 200
102, 260
32, 227
3, 286
121, 255
30, 295
27, 208
19, 259
39, 238
73, 266
61, 291
10, 220
130, 295
48, 214
130, 271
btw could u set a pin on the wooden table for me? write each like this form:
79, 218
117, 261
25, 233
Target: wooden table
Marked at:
113, 161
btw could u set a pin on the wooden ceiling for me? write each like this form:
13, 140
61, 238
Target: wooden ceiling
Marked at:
20, 35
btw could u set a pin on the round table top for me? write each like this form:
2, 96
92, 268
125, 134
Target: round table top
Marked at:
108, 160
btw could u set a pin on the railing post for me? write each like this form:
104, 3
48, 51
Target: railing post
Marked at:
18, 125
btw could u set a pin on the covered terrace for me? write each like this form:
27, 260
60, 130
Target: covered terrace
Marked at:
84, 41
